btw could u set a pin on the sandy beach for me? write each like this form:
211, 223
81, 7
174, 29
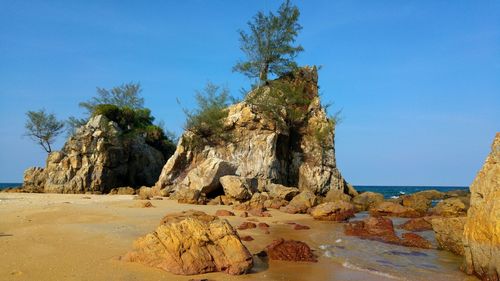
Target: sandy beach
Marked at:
81, 237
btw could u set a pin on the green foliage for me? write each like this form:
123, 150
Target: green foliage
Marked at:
268, 46
207, 121
282, 101
137, 121
43, 128
125, 95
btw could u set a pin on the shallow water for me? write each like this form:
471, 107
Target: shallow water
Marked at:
393, 261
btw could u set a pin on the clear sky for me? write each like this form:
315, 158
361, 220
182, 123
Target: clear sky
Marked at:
418, 81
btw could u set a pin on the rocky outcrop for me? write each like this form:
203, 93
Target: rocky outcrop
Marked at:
367, 200
290, 250
333, 211
449, 234
97, 158
264, 152
34, 179
192, 242
482, 227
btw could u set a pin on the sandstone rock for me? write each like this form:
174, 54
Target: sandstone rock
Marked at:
290, 251
302, 202
247, 238
300, 227
192, 243
224, 213
367, 200
34, 179
236, 187
336, 195
98, 158
449, 234
146, 204
457, 193
393, 210
275, 203
281, 192
189, 196
333, 211
127, 190
417, 202
373, 228
451, 207
145, 193
265, 152
417, 224
247, 225
206, 176
431, 194
263, 225
482, 227
414, 240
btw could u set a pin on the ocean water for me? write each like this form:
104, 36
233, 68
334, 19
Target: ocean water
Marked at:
9, 184
394, 191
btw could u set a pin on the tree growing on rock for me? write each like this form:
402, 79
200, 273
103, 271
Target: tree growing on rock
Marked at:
125, 95
206, 122
43, 128
269, 45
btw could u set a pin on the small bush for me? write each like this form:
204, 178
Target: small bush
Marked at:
138, 121
207, 121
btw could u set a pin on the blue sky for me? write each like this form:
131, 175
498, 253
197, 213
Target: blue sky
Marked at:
418, 81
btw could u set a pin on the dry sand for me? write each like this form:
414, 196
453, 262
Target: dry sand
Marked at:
81, 237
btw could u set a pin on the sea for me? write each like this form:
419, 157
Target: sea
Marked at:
396, 191
9, 184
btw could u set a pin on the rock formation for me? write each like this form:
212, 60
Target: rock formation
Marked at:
98, 158
482, 227
192, 242
449, 234
290, 250
260, 151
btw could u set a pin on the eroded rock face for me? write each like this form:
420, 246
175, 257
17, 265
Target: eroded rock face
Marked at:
482, 227
449, 233
98, 157
236, 187
264, 152
34, 179
192, 242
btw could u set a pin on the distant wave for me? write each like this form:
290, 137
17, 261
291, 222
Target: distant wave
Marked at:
349, 265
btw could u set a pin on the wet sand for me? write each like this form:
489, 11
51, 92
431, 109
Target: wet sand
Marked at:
70, 237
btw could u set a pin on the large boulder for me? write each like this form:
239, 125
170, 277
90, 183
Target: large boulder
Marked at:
449, 233
393, 210
99, 157
451, 207
34, 179
417, 224
482, 227
333, 211
192, 242
302, 202
281, 192
264, 151
431, 194
237, 188
290, 250
417, 202
367, 200
206, 176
